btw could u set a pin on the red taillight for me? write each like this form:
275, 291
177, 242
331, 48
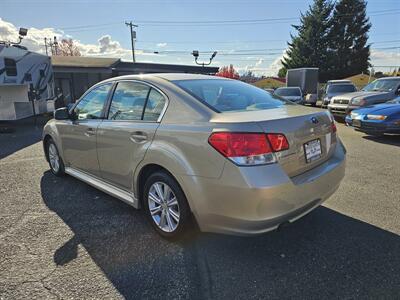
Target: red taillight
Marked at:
278, 142
248, 148
232, 144
333, 127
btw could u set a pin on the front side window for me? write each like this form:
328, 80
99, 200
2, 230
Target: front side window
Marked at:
154, 106
92, 104
230, 95
128, 101
10, 66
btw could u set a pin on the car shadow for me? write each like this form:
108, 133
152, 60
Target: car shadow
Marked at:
384, 139
20, 134
323, 255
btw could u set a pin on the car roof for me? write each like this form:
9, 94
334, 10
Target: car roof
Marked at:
339, 81
288, 87
166, 76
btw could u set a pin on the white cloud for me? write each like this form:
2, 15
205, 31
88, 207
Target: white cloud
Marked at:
162, 45
385, 58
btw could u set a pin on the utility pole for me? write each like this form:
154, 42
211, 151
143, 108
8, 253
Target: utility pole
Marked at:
45, 44
55, 43
133, 37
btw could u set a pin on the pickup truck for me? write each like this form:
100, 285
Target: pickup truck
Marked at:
378, 91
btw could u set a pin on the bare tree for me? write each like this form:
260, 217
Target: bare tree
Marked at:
67, 48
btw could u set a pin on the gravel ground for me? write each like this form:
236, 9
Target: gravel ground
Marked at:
60, 238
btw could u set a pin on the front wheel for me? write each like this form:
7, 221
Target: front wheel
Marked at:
166, 205
55, 161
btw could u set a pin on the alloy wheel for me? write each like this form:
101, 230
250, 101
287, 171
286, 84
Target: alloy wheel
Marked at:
54, 158
163, 207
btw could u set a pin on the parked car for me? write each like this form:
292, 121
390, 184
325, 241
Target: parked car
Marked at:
269, 90
378, 91
232, 156
377, 119
336, 88
293, 94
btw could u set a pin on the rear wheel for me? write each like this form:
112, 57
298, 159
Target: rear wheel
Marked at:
55, 161
166, 205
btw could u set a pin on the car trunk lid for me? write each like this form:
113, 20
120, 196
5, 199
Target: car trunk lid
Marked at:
300, 125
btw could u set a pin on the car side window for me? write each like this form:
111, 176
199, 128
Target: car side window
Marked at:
154, 106
92, 104
128, 101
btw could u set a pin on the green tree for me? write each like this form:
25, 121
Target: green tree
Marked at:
348, 39
309, 48
282, 72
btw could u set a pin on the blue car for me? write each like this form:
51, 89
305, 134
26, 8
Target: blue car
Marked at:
376, 119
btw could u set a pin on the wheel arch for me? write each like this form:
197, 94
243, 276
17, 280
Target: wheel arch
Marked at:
46, 139
145, 171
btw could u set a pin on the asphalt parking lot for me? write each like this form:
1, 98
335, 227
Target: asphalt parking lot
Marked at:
60, 238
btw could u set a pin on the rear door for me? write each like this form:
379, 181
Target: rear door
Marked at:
128, 130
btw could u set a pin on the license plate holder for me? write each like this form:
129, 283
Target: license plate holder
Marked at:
312, 150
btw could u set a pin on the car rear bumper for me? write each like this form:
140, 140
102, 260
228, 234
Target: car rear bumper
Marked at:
254, 200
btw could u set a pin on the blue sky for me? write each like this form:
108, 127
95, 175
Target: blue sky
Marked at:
90, 21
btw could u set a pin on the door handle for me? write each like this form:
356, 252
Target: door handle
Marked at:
90, 132
138, 137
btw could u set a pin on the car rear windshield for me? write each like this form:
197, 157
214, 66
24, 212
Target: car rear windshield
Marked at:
341, 88
230, 95
288, 92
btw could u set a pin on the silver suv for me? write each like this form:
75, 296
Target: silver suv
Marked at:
232, 156
378, 91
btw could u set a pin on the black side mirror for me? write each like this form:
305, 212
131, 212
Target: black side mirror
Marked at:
61, 114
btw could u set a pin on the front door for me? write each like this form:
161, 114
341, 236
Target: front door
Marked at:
78, 137
127, 132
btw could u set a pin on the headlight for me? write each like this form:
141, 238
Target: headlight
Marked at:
376, 117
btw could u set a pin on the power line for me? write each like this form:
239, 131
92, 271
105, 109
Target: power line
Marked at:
213, 22
241, 22
388, 11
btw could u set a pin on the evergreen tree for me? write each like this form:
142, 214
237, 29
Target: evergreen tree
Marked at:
348, 39
282, 72
309, 48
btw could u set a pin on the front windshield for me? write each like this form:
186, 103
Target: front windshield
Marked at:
288, 92
382, 85
230, 95
341, 88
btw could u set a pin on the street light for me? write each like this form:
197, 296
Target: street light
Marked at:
196, 55
21, 34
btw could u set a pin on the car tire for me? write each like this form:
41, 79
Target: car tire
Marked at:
55, 161
170, 218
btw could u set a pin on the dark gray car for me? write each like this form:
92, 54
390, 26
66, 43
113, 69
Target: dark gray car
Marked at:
378, 91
